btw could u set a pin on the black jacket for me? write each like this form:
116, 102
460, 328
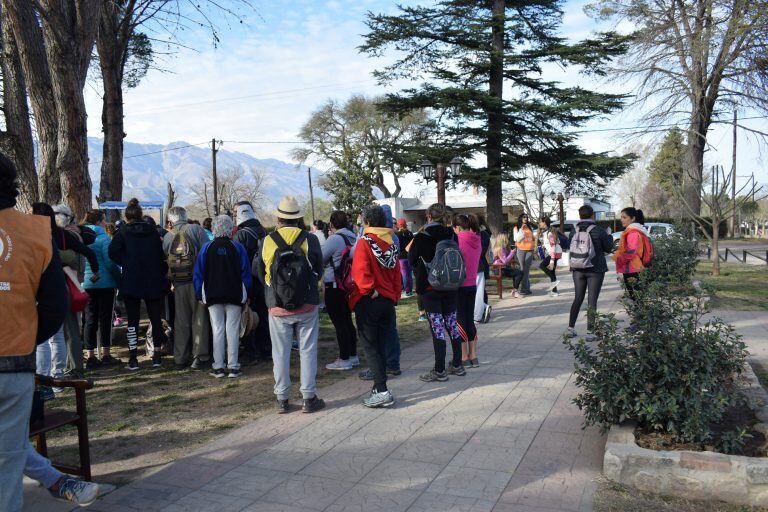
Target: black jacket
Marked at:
602, 242
68, 241
423, 249
485, 243
138, 250
249, 234
405, 238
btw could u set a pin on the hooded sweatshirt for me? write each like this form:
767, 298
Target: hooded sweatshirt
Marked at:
629, 256
469, 246
376, 266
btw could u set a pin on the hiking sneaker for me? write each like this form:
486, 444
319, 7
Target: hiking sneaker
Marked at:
355, 361
92, 363
376, 399
313, 404
475, 363
554, 284
467, 363
570, 333
339, 364
233, 374
157, 360
458, 371
393, 373
283, 406
46, 393
432, 376
197, 364
422, 318
133, 362
77, 491
110, 361
516, 294
366, 374
487, 314
218, 373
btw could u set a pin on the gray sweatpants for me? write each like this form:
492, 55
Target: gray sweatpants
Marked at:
15, 407
304, 327
190, 323
525, 258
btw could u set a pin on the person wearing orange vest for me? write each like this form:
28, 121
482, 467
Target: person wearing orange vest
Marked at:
33, 304
525, 244
634, 248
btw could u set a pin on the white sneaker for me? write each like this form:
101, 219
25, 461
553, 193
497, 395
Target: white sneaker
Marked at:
553, 294
355, 361
554, 285
516, 294
339, 364
570, 333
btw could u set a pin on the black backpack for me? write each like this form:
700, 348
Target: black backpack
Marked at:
291, 273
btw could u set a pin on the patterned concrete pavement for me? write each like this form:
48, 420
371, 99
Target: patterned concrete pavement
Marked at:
504, 438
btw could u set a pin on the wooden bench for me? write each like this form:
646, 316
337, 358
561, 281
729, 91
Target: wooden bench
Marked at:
57, 418
498, 276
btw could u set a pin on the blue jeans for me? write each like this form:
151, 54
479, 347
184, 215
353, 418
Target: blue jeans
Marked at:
52, 355
15, 407
39, 468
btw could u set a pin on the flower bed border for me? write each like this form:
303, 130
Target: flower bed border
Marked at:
695, 475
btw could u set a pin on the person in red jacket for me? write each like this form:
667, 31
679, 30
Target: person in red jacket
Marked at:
376, 273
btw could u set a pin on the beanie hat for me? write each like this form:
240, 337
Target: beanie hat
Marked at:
401, 223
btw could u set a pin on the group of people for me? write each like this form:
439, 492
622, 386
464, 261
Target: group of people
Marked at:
204, 283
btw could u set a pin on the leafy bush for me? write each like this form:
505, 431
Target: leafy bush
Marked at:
670, 371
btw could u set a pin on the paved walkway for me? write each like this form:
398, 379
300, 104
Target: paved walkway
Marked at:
504, 438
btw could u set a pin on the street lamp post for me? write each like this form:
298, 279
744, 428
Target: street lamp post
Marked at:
560, 198
439, 172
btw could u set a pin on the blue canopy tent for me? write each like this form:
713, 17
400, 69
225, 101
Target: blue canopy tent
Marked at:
145, 205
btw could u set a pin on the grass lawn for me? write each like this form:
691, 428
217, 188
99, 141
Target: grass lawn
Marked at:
613, 497
143, 419
739, 286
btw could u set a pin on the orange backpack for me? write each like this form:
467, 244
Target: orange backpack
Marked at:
647, 255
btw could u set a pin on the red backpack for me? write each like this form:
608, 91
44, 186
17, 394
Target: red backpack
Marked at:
647, 255
343, 272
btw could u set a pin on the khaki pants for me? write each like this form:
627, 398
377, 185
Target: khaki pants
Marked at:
190, 323
74, 342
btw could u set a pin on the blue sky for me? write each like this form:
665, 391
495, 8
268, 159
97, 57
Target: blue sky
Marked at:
268, 74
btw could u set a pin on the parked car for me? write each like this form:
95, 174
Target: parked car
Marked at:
655, 229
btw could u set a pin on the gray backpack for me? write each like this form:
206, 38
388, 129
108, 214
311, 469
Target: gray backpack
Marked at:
446, 272
582, 249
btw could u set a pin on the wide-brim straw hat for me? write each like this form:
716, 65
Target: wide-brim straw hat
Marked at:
288, 209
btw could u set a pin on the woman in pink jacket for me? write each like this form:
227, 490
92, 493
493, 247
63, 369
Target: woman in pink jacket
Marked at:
468, 232
633, 246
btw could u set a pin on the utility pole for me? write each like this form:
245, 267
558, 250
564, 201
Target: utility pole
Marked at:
311, 194
733, 177
440, 178
214, 150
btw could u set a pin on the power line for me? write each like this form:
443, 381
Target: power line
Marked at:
165, 150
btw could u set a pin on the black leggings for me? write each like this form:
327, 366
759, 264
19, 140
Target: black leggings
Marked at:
155, 311
465, 313
338, 309
441, 313
583, 282
98, 317
552, 274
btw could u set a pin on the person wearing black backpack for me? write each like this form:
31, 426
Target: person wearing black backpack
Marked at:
290, 264
336, 249
191, 325
440, 305
257, 346
588, 245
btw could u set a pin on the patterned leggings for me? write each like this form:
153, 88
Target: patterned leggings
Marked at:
441, 313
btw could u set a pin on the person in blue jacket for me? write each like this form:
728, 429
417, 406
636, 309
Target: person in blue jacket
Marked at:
222, 279
100, 287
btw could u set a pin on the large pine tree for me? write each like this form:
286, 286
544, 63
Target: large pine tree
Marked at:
484, 60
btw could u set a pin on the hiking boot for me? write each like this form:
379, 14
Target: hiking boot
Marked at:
570, 333
313, 404
92, 363
354, 361
218, 373
475, 363
366, 374
458, 371
157, 360
432, 376
376, 399
393, 373
133, 362
110, 361
283, 406
339, 364
233, 374
76, 491
197, 364
487, 314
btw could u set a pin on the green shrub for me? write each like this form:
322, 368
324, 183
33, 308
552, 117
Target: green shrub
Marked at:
674, 262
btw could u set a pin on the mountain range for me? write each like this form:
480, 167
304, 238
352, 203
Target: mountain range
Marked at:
147, 168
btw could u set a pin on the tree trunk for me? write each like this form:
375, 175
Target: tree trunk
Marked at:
28, 35
69, 34
111, 45
17, 139
715, 245
493, 200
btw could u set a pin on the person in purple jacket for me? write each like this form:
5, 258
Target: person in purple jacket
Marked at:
222, 279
